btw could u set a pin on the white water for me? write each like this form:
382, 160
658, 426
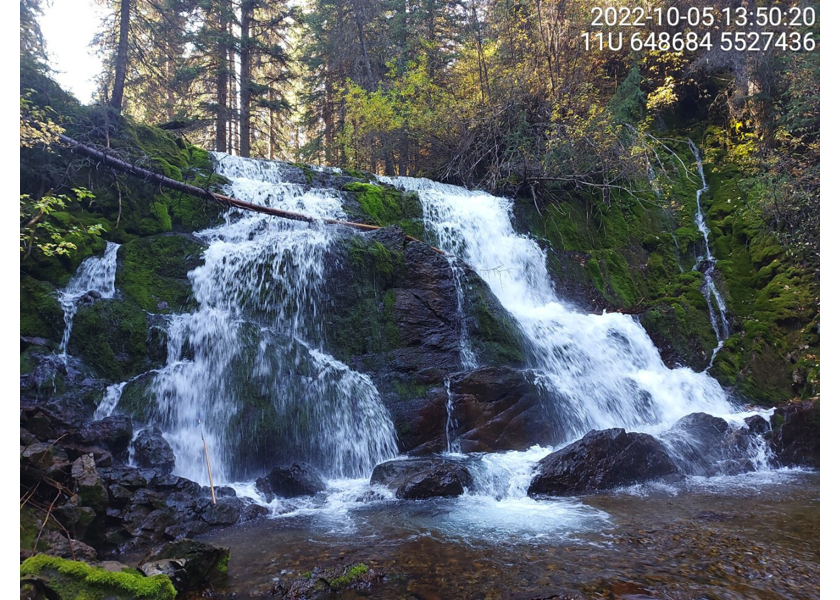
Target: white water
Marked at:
95, 274
706, 264
248, 362
603, 370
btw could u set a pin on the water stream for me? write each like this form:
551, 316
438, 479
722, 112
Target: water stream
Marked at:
94, 278
705, 263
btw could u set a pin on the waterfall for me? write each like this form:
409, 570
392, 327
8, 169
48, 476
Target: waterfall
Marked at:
706, 265
248, 362
95, 276
603, 370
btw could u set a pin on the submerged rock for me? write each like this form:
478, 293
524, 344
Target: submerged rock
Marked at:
602, 460
420, 478
298, 479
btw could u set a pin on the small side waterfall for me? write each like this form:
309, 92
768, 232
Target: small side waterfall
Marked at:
706, 265
602, 370
95, 275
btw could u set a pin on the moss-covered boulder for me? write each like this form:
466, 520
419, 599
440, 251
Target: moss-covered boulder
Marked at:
152, 271
382, 204
40, 312
71, 580
117, 339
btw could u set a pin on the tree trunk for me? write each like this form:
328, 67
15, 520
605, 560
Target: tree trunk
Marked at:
122, 57
222, 82
245, 82
357, 13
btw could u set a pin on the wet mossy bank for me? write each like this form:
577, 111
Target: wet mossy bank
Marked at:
638, 255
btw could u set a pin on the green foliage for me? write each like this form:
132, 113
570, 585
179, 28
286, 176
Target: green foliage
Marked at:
73, 580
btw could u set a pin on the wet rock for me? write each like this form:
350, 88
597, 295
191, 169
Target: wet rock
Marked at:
226, 511
40, 456
195, 565
499, 408
796, 434
151, 450
757, 425
697, 443
602, 460
299, 479
419, 478
89, 484
113, 432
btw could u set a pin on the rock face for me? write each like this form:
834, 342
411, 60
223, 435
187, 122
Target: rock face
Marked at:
151, 450
393, 315
299, 479
420, 478
796, 434
500, 408
601, 460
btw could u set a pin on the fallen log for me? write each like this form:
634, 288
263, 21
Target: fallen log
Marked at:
185, 188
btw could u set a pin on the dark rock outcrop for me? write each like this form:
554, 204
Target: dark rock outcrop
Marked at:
191, 565
298, 479
113, 432
796, 434
602, 460
420, 478
500, 408
151, 450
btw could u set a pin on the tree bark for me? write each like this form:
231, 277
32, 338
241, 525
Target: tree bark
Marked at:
122, 57
222, 81
245, 81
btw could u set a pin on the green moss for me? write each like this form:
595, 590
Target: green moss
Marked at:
352, 575
40, 312
153, 271
73, 580
115, 338
495, 336
385, 205
409, 390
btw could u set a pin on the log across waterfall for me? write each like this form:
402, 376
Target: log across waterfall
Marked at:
185, 188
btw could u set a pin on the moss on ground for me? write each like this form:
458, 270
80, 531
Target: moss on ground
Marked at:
72, 580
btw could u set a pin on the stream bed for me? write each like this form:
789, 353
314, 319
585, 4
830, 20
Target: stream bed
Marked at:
746, 536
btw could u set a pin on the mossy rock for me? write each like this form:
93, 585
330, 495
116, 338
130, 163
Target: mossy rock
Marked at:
385, 205
117, 339
41, 314
153, 271
72, 580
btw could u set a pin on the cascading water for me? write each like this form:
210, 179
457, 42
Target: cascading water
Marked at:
248, 361
603, 370
96, 274
706, 264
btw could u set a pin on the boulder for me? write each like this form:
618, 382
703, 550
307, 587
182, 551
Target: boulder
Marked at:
151, 450
796, 434
113, 432
757, 424
420, 478
697, 443
298, 479
190, 564
602, 460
